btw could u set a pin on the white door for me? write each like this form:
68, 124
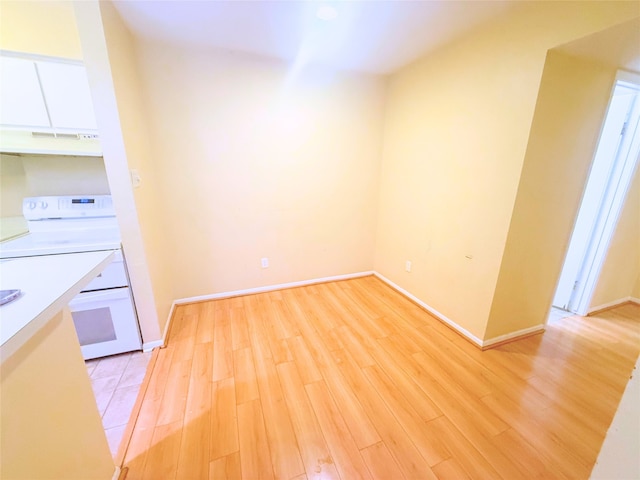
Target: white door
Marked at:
613, 166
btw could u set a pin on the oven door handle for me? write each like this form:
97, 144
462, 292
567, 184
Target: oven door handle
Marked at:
102, 296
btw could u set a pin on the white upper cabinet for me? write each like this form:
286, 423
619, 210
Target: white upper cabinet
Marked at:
66, 90
21, 102
47, 95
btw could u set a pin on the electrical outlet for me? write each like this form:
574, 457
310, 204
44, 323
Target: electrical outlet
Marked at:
407, 266
264, 262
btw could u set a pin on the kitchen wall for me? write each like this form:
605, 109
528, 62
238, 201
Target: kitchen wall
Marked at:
456, 133
574, 95
43, 28
35, 175
256, 160
622, 265
13, 185
52, 28
40, 27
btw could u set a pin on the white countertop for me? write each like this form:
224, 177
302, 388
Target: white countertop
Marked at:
48, 284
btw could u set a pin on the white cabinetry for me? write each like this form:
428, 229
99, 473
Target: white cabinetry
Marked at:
21, 102
47, 96
66, 91
45, 106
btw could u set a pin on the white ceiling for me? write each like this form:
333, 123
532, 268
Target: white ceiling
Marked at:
376, 36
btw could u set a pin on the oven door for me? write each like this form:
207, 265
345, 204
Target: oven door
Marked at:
105, 322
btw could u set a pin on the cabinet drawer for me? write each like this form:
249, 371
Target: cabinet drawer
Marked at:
112, 276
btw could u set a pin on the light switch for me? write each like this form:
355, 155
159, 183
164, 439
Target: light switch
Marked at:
135, 178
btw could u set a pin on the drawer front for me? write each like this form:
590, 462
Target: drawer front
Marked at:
112, 276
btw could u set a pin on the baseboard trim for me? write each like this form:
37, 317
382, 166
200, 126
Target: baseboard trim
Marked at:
149, 346
116, 473
450, 323
269, 288
609, 305
482, 344
510, 337
238, 293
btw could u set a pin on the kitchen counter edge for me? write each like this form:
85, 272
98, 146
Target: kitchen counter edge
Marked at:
48, 284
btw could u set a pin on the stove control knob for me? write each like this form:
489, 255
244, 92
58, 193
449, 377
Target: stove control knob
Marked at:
32, 205
43, 205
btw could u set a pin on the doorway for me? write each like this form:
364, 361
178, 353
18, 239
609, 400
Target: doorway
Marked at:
611, 173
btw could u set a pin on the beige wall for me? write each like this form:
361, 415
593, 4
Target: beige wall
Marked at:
254, 162
622, 265
456, 132
572, 102
13, 185
46, 27
49, 423
134, 119
34, 175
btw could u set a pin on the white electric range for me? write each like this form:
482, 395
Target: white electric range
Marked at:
104, 312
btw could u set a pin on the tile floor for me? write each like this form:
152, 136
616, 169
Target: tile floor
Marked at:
116, 381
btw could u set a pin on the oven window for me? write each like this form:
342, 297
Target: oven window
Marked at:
94, 326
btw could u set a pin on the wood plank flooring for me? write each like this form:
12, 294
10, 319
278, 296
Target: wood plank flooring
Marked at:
350, 380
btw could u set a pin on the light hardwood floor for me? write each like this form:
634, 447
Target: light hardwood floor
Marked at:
351, 380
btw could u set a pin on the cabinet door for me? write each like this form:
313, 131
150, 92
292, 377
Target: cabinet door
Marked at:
66, 89
21, 102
